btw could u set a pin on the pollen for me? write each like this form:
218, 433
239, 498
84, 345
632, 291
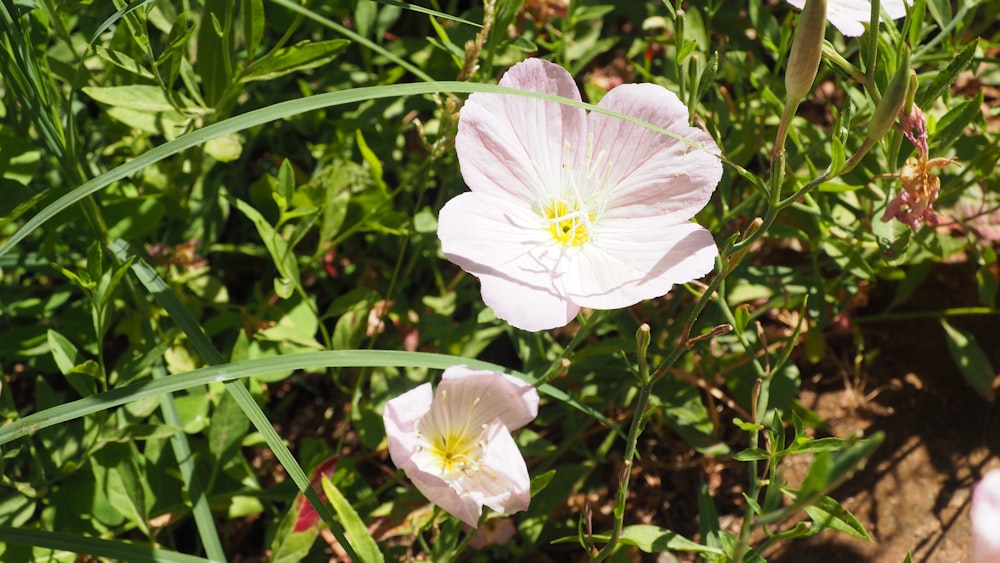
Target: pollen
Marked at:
568, 225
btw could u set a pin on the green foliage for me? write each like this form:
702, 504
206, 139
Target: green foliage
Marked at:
219, 259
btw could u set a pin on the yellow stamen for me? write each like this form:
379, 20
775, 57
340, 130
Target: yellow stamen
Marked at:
568, 226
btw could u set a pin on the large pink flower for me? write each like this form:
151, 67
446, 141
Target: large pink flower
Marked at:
456, 446
569, 209
849, 16
985, 516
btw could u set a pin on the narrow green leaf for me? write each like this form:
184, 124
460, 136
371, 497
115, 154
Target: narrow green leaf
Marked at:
818, 445
64, 352
708, 518
298, 57
136, 96
751, 454
428, 11
707, 78
828, 513
353, 525
253, 25
954, 123
123, 61
282, 110
654, 539
970, 358
282, 256
215, 49
944, 79
371, 160
228, 427
75, 543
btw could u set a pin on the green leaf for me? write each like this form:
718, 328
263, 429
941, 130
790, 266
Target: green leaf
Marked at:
954, 123
354, 527
75, 543
123, 61
137, 97
215, 43
828, 513
685, 411
81, 375
751, 454
228, 427
970, 359
654, 539
283, 257
826, 472
298, 57
746, 426
817, 445
253, 25
292, 547
123, 483
64, 352
373, 162
226, 148
539, 482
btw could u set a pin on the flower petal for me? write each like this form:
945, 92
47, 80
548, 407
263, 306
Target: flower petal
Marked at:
647, 172
502, 482
485, 235
985, 516
400, 416
621, 269
524, 306
516, 146
849, 16
484, 396
458, 503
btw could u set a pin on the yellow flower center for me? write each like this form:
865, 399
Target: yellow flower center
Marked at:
455, 452
567, 225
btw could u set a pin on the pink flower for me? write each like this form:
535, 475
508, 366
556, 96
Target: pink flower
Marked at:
985, 516
569, 209
849, 16
456, 446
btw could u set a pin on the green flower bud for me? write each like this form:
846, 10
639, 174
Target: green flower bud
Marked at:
807, 49
893, 99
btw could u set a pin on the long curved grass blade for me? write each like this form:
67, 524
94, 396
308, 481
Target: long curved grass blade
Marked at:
114, 550
283, 110
113, 18
428, 11
201, 511
308, 361
162, 293
353, 36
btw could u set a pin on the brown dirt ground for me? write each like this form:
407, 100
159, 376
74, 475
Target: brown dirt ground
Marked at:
940, 435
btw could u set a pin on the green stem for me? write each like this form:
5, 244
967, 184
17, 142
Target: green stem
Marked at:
872, 42
638, 422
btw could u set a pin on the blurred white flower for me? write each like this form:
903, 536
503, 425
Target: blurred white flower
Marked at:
985, 516
849, 16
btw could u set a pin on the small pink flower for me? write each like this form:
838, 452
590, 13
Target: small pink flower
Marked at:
569, 209
849, 16
456, 446
985, 516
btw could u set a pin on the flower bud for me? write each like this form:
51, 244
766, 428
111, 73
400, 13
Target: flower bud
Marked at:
892, 100
807, 49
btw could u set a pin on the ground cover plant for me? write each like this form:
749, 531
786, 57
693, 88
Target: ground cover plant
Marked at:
512, 280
